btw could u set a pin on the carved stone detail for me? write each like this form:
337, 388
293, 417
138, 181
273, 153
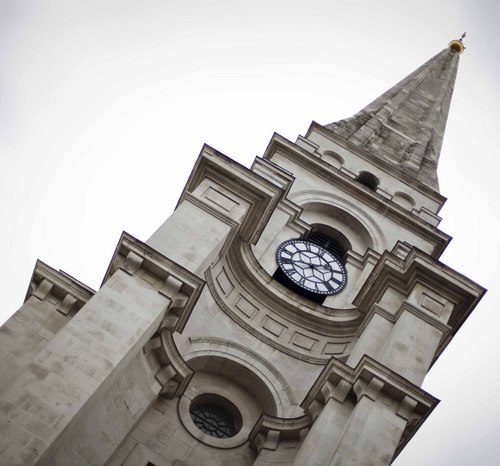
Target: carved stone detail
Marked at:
181, 287
269, 431
411, 280
370, 379
67, 294
171, 371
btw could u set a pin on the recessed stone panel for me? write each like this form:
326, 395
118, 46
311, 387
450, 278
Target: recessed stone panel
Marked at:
224, 282
431, 304
220, 199
303, 341
246, 307
334, 348
272, 326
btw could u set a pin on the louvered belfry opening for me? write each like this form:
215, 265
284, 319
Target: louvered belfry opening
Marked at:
328, 243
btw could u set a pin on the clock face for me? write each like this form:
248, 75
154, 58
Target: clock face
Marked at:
311, 267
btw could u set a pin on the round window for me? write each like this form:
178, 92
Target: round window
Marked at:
215, 416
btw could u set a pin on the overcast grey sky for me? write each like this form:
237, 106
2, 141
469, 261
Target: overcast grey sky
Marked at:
105, 104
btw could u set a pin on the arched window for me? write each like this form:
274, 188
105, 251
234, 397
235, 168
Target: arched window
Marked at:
328, 242
369, 180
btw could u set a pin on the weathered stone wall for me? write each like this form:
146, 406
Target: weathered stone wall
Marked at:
53, 394
25, 334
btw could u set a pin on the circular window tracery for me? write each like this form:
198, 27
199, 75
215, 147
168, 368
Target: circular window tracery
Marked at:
214, 420
215, 416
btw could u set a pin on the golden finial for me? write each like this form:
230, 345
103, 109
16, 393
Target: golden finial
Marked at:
457, 44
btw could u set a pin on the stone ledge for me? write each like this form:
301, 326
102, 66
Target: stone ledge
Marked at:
261, 194
322, 169
171, 371
371, 379
171, 280
273, 173
269, 431
69, 294
411, 278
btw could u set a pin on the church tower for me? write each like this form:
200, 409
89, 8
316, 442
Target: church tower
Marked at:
283, 314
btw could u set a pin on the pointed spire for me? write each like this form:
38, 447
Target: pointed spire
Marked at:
405, 125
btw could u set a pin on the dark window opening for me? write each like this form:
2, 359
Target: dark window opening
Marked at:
328, 243
369, 180
214, 419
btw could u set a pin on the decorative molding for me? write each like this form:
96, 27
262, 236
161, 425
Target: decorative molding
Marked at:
273, 326
325, 171
251, 355
261, 194
294, 222
349, 208
269, 431
371, 379
401, 249
179, 285
263, 303
169, 367
426, 316
359, 261
273, 173
224, 282
380, 163
419, 268
255, 331
69, 295
246, 307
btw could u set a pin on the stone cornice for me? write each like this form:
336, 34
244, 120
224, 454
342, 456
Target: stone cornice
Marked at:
269, 431
71, 294
294, 211
380, 163
273, 173
420, 268
261, 194
393, 317
170, 279
371, 379
325, 171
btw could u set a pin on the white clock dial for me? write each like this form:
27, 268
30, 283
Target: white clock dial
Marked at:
311, 267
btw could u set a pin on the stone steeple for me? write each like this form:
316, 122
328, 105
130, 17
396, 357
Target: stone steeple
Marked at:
196, 349
405, 125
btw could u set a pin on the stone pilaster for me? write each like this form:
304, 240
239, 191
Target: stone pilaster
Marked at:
50, 414
413, 306
52, 300
362, 415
